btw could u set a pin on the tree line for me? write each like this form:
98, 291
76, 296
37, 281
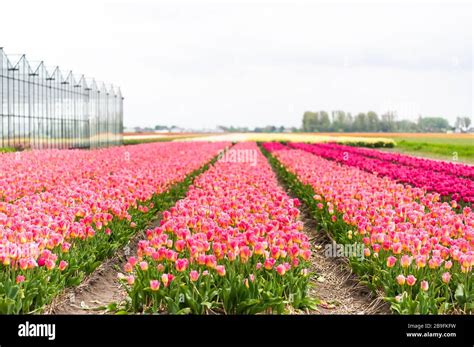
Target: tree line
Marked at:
340, 121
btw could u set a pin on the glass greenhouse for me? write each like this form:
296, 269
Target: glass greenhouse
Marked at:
46, 108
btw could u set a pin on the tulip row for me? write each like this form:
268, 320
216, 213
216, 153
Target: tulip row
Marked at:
451, 168
233, 245
32, 172
51, 239
449, 186
418, 250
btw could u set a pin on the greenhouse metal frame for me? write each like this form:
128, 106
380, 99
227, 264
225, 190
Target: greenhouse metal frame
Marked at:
43, 108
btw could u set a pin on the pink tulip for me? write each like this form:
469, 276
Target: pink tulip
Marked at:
128, 267
420, 261
220, 270
154, 285
132, 261
397, 248
181, 265
401, 280
281, 269
434, 263
268, 264
446, 277
391, 261
63, 265
143, 265
165, 278
194, 275
411, 280
405, 261
50, 264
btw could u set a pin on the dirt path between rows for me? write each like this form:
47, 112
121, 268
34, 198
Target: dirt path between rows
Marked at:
102, 287
333, 283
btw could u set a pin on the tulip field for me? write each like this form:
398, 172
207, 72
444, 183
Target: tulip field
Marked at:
63, 212
418, 249
231, 236
451, 181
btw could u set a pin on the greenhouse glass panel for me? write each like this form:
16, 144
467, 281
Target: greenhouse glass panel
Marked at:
43, 108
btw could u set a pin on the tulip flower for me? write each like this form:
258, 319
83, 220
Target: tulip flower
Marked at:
181, 264
50, 264
401, 280
128, 267
154, 285
446, 277
420, 261
281, 269
268, 264
411, 280
391, 261
143, 265
132, 261
194, 275
165, 280
405, 261
63, 265
220, 270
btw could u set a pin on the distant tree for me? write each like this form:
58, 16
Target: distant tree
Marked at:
161, 127
360, 122
406, 126
324, 121
433, 124
339, 121
310, 120
388, 122
372, 122
348, 122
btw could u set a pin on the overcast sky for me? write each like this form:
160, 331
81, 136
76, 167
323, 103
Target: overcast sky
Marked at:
253, 63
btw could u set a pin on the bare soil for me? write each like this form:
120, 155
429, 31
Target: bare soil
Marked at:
102, 287
334, 284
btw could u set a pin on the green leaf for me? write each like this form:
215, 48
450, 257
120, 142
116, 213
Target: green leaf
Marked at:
459, 294
12, 292
186, 310
6, 305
